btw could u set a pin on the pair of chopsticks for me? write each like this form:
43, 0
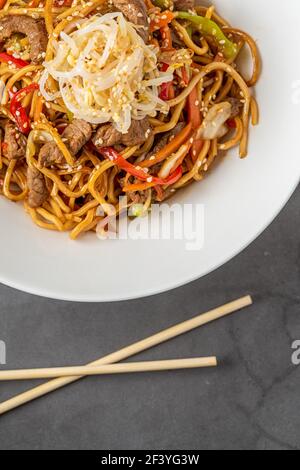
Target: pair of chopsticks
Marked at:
106, 365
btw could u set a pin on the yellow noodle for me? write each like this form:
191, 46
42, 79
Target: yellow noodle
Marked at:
83, 210
254, 111
16, 77
57, 210
188, 41
203, 10
33, 12
83, 182
7, 182
51, 218
237, 137
112, 198
34, 215
174, 120
49, 16
212, 92
190, 175
82, 226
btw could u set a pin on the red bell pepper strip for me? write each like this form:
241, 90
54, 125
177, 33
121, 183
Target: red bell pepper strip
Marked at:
166, 89
7, 58
173, 178
114, 156
185, 78
17, 109
231, 123
160, 20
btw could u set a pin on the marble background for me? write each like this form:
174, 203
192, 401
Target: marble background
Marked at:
251, 401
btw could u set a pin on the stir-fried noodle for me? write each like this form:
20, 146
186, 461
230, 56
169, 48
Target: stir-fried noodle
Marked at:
102, 99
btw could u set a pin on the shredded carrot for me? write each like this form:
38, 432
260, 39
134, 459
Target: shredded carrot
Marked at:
161, 20
138, 187
38, 108
194, 109
185, 78
2, 3
167, 38
171, 179
170, 148
196, 149
33, 3
194, 117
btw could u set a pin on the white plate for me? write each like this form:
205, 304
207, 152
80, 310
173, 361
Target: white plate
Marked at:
240, 198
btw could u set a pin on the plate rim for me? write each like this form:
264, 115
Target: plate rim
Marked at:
66, 293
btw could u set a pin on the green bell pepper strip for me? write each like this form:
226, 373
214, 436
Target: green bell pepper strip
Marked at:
209, 27
162, 4
189, 30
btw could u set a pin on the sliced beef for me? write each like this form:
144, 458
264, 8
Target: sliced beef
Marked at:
184, 5
50, 154
136, 12
78, 133
75, 136
107, 135
15, 142
35, 30
38, 192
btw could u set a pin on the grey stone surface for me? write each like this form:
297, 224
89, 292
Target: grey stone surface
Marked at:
251, 401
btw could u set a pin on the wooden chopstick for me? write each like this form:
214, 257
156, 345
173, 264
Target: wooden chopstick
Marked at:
154, 366
129, 351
